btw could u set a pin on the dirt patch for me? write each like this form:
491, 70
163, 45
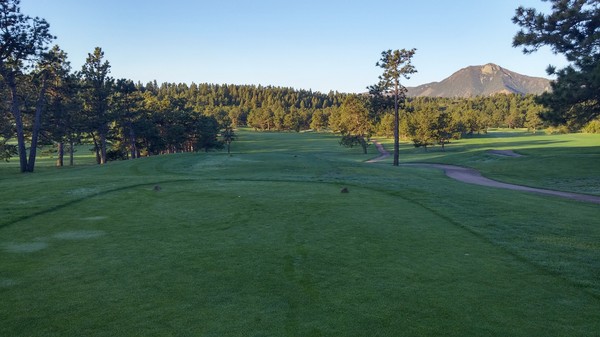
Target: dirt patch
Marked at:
505, 153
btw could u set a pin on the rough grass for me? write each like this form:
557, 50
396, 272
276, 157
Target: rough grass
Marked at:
262, 243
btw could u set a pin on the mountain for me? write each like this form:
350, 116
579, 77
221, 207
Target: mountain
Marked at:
486, 80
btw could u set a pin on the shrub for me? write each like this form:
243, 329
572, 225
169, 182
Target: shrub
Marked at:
557, 130
592, 127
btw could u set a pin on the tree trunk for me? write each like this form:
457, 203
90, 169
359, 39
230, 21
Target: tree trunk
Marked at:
37, 124
363, 143
96, 149
103, 147
60, 154
396, 128
71, 152
132, 147
16, 112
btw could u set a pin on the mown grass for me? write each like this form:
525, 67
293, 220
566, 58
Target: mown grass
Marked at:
566, 162
262, 243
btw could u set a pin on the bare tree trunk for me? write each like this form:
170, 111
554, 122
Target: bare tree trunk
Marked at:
37, 124
71, 152
96, 149
363, 143
103, 148
16, 112
132, 147
396, 128
60, 155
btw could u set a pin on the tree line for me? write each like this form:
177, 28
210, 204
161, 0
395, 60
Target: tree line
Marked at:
126, 120
427, 121
45, 102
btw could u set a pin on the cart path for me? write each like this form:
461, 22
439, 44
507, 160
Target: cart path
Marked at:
472, 176
383, 153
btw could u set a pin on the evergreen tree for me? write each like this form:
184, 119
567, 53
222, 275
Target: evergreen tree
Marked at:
319, 120
570, 29
422, 126
50, 70
396, 65
97, 89
125, 105
206, 131
355, 123
228, 135
67, 116
22, 40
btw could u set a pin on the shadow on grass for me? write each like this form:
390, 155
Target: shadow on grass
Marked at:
76, 201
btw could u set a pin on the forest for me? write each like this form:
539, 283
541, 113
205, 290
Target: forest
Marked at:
44, 102
122, 119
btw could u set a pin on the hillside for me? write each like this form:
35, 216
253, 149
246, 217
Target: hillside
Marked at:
486, 80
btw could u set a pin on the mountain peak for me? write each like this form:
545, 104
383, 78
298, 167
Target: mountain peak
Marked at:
485, 80
490, 68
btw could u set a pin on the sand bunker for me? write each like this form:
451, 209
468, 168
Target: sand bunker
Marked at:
505, 153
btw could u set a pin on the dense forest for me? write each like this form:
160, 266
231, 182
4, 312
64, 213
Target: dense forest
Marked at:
123, 119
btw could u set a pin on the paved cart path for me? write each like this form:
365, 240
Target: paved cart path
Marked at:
472, 176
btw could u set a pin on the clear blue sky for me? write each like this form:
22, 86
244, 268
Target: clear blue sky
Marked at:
320, 45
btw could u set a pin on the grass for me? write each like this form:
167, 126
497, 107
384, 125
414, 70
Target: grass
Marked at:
263, 243
563, 162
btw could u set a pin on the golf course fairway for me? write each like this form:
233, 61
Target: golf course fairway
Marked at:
263, 242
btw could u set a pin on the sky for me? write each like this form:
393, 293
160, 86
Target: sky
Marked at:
310, 44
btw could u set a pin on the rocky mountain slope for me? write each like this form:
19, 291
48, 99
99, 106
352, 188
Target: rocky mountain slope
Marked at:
486, 80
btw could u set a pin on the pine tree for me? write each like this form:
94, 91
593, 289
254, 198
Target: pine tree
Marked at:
97, 89
396, 65
23, 40
570, 29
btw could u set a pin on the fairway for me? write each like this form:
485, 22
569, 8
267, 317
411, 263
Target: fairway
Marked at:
262, 243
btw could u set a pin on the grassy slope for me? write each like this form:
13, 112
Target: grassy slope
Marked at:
263, 244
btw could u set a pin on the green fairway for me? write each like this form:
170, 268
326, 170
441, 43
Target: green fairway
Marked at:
262, 243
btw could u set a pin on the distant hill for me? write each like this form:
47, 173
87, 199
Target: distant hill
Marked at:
486, 80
